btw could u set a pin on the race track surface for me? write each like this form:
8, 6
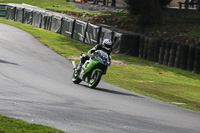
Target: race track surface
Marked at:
36, 86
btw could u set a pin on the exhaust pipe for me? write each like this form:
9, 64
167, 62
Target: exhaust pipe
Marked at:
74, 64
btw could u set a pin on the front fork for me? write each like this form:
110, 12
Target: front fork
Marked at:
74, 65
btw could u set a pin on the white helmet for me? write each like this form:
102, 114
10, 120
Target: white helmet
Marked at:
107, 44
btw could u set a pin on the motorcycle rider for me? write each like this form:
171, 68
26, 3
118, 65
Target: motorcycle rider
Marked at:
106, 46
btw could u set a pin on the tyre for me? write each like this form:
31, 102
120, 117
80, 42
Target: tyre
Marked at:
141, 46
75, 78
95, 78
156, 49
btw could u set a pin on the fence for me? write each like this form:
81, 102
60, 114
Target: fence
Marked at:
2, 10
164, 52
186, 57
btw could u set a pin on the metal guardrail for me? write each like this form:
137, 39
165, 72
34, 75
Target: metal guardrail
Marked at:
2, 10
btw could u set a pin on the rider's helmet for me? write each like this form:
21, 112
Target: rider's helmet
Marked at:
107, 44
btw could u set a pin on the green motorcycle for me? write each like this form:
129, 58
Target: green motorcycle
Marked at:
92, 70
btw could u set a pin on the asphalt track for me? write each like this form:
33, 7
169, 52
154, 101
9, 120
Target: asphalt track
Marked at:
36, 86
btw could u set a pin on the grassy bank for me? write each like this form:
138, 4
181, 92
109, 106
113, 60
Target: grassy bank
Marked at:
58, 5
169, 84
47, 4
10, 125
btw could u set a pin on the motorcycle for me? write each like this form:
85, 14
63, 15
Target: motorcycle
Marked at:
93, 69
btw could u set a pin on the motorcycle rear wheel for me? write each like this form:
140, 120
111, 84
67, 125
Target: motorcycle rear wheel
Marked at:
95, 78
75, 78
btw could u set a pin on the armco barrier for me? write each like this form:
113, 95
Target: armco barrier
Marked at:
153, 49
126, 43
10, 15
19, 13
80, 30
46, 20
37, 18
67, 27
106, 34
28, 16
92, 34
56, 23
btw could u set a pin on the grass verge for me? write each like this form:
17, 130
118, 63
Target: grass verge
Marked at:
10, 125
165, 83
51, 4
58, 5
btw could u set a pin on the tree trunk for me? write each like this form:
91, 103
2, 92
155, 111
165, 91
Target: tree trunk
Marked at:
186, 4
157, 10
152, 12
149, 11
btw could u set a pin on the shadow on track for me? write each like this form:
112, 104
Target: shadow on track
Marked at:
6, 62
112, 91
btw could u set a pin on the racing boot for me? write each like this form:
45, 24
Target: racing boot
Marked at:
78, 69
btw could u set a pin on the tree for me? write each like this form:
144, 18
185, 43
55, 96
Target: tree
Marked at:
186, 4
164, 3
149, 10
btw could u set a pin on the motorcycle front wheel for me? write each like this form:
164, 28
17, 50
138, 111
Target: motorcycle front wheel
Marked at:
75, 78
95, 78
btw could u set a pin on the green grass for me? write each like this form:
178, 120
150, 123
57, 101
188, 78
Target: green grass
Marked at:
10, 125
51, 4
158, 81
58, 5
